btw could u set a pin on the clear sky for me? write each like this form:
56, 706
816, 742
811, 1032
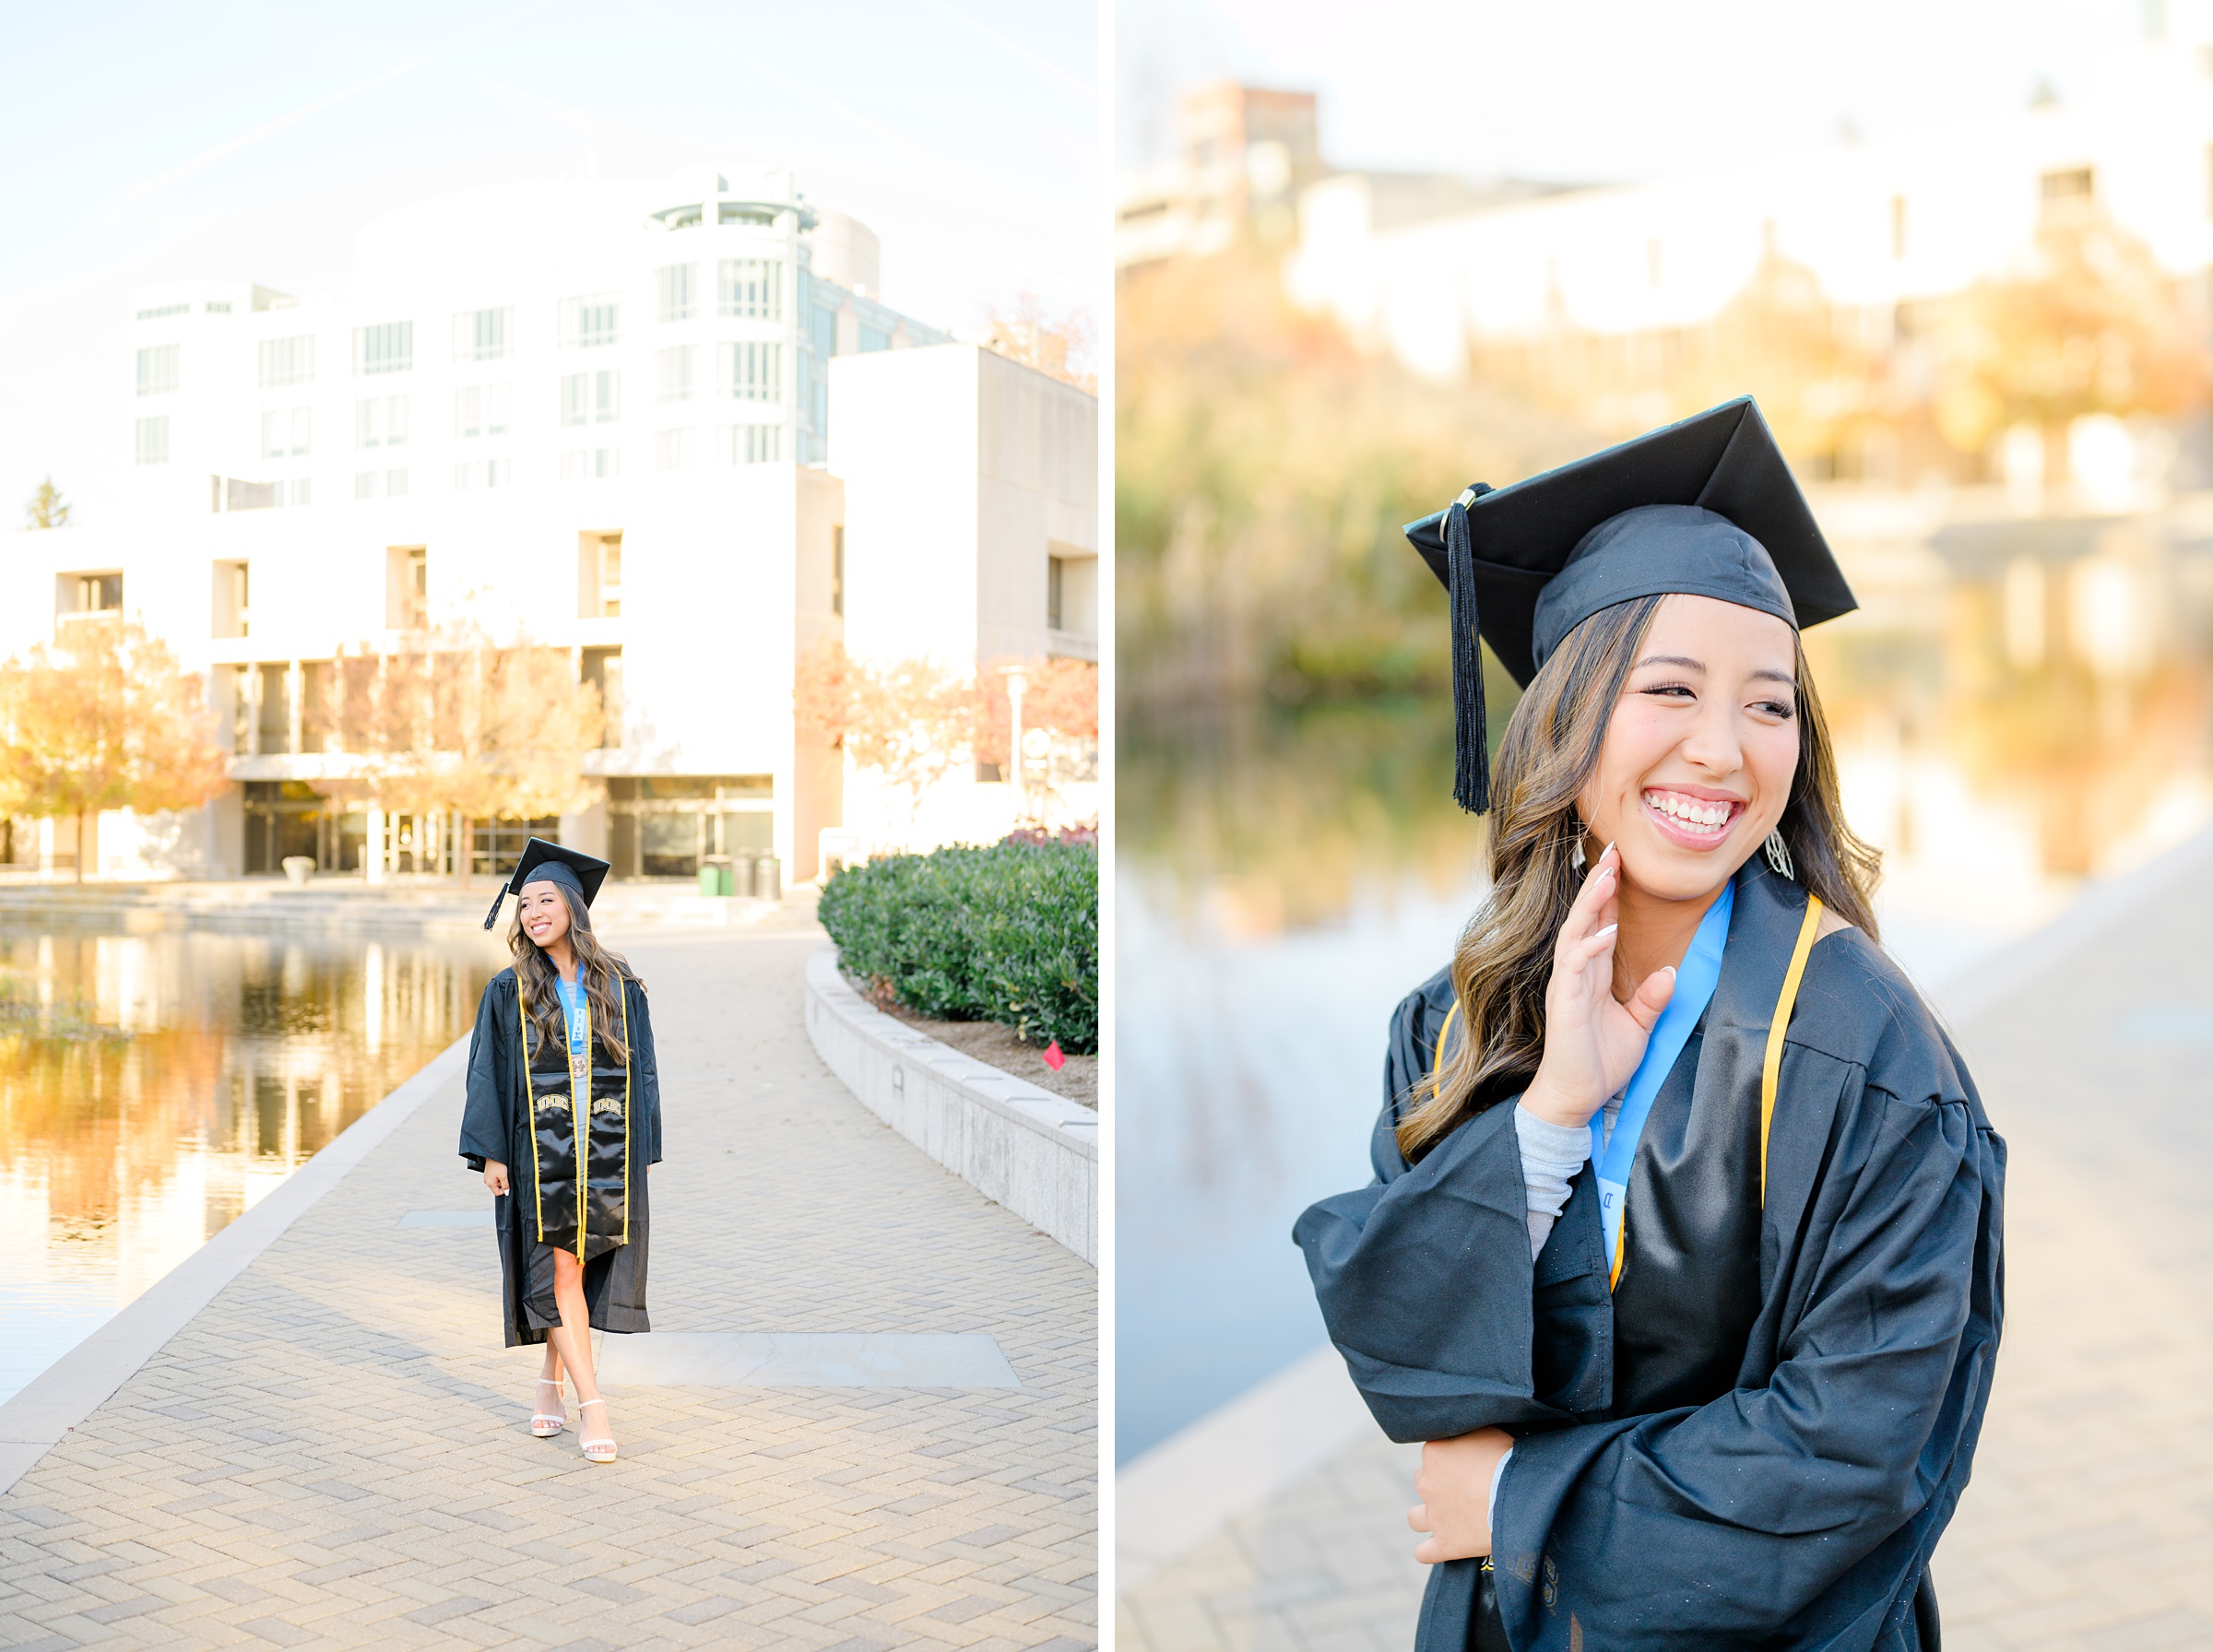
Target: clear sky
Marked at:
1616, 89
151, 141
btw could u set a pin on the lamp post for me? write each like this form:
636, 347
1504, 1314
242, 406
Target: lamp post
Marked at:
1018, 679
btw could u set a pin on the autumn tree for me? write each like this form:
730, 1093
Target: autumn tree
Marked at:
1061, 346
104, 718
46, 508
910, 720
2086, 322
458, 719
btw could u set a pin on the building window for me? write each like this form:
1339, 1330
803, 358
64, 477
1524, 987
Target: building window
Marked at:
2069, 184
575, 464
153, 441
752, 288
591, 397
161, 310
295, 490
599, 575
603, 671
672, 370
825, 322
754, 372
286, 432
379, 421
368, 484
389, 347
216, 306
483, 473
837, 569
407, 587
158, 370
480, 411
586, 322
584, 463
483, 334
288, 361
1056, 572
607, 462
100, 593
232, 596
874, 338
752, 443
679, 300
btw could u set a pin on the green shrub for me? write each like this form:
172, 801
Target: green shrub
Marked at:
1006, 934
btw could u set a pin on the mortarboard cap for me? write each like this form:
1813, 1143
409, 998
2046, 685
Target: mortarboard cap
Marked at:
543, 862
1707, 507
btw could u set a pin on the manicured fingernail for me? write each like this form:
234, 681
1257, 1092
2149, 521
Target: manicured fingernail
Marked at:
1606, 931
1669, 968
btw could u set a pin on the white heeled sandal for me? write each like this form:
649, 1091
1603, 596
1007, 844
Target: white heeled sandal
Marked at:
596, 1451
544, 1425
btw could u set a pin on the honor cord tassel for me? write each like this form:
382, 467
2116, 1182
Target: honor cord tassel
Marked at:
1472, 770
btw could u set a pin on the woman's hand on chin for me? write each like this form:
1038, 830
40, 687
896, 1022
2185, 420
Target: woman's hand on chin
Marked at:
1592, 1043
1454, 1486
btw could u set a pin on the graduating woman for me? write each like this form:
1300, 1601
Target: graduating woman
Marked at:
1683, 1256
563, 1117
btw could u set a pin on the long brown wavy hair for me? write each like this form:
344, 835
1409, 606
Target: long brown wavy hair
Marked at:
599, 970
1550, 751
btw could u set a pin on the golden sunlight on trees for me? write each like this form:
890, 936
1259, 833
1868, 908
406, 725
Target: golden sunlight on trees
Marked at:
456, 719
1063, 346
1264, 468
104, 718
2088, 324
914, 721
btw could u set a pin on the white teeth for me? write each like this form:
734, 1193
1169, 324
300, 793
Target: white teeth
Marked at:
1689, 811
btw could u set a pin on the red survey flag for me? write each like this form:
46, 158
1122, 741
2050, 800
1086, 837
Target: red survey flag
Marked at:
1053, 1057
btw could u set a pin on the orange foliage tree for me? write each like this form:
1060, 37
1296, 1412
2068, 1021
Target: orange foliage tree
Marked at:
104, 718
914, 721
2089, 323
456, 719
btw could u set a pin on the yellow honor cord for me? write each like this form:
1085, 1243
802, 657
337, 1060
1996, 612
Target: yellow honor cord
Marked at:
1770, 1069
1437, 1059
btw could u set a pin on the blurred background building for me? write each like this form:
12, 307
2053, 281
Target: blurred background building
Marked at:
604, 415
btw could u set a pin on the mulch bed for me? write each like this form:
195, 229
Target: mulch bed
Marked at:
998, 1046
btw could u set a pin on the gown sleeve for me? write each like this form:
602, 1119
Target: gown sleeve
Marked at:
1426, 1281
1733, 1523
649, 1075
484, 1113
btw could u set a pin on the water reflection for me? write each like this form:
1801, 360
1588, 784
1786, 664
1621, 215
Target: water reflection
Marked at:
152, 1086
2020, 705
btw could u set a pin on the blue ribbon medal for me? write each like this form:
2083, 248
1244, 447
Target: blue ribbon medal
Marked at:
1695, 978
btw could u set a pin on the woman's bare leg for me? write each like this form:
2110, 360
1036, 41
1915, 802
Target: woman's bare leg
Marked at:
569, 1344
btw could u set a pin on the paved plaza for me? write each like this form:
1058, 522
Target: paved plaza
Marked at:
2089, 1526
335, 1451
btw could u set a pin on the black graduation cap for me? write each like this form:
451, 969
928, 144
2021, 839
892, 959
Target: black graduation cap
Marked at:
1706, 507
550, 863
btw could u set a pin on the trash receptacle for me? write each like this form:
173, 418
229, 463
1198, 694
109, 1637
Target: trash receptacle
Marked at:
715, 875
768, 878
741, 873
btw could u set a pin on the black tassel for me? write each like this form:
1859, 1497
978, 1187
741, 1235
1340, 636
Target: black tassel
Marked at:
492, 917
1471, 728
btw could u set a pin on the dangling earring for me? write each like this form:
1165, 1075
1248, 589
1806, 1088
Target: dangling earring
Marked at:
1779, 854
1575, 855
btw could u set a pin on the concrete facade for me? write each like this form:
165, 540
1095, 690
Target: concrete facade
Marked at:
597, 414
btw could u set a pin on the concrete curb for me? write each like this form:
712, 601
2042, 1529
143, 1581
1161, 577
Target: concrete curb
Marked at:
80, 1382
1019, 1145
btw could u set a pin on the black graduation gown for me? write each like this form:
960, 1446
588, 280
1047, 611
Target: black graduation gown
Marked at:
496, 1124
1759, 1437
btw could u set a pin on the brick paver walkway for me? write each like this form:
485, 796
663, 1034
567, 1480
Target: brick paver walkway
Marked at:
2089, 1526
335, 1453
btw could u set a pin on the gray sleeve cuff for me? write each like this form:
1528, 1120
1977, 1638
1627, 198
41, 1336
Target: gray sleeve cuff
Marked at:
1551, 1154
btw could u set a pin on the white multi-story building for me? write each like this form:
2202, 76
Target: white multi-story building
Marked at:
599, 412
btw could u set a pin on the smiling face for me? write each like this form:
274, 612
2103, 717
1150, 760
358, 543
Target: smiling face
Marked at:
1701, 749
543, 912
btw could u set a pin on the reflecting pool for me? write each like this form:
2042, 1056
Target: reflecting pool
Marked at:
2020, 705
152, 1086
